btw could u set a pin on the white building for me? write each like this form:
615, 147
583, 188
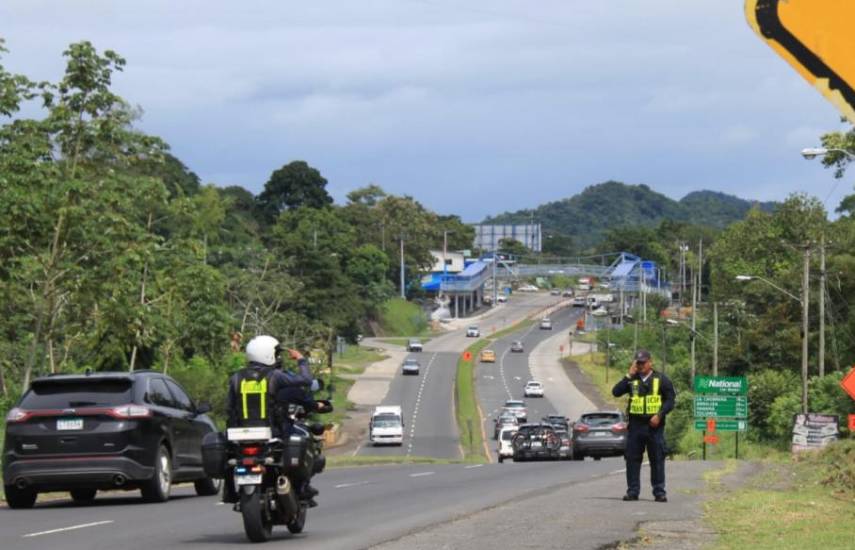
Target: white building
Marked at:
454, 262
487, 237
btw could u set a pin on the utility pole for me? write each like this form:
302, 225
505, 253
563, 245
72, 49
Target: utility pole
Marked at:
822, 307
715, 340
495, 284
403, 289
805, 305
696, 291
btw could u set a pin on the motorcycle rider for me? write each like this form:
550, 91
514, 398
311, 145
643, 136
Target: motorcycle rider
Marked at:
254, 391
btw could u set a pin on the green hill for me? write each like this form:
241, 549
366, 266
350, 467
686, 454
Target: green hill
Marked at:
588, 215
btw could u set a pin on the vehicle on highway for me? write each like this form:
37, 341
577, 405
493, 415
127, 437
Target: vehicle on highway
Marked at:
568, 293
473, 332
565, 451
599, 434
410, 366
504, 449
545, 324
517, 347
528, 288
600, 312
580, 301
560, 422
143, 428
583, 287
555, 292
536, 442
518, 408
502, 298
504, 420
414, 345
386, 426
266, 472
488, 356
533, 388
593, 302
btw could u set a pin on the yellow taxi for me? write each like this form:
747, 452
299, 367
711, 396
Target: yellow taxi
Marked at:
488, 356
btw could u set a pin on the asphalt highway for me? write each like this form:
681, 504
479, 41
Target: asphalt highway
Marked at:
426, 400
359, 508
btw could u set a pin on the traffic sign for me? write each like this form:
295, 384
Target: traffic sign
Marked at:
467, 355
721, 385
710, 424
717, 406
816, 38
711, 439
848, 383
721, 425
852, 423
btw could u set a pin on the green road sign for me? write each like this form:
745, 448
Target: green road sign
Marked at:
721, 385
717, 406
723, 425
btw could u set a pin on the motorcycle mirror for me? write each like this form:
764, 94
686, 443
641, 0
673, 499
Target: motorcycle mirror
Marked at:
317, 428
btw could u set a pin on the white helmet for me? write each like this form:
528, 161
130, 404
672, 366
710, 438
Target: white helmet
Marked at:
263, 350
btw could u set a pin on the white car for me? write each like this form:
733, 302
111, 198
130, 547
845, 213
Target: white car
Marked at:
414, 345
580, 301
410, 366
502, 298
533, 388
600, 312
503, 443
516, 407
386, 426
473, 332
545, 324
528, 288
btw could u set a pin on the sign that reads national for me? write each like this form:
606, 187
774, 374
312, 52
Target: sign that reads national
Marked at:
721, 385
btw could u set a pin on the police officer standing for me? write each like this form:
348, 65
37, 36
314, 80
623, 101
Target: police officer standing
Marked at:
651, 398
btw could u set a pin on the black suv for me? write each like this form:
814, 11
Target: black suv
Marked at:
112, 430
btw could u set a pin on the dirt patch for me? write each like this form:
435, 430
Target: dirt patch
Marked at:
584, 384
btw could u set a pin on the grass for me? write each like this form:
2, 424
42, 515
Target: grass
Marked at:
402, 341
593, 365
402, 318
524, 324
806, 503
352, 362
466, 406
351, 461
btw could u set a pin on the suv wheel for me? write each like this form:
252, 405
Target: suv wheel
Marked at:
20, 498
207, 487
157, 488
83, 495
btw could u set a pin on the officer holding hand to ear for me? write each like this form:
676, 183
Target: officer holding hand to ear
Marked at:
651, 398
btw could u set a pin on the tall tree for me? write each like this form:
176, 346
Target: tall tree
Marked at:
295, 185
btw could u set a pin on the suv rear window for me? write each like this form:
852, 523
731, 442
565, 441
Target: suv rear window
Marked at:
600, 419
69, 394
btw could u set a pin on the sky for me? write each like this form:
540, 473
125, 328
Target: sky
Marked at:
473, 108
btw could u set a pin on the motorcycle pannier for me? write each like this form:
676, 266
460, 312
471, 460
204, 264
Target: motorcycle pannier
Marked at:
294, 452
214, 454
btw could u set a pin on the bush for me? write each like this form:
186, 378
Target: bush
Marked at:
780, 423
763, 389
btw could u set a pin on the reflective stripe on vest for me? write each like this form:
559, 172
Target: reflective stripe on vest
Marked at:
258, 390
645, 404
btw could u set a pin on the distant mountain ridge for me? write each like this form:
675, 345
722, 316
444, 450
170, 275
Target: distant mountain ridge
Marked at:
588, 215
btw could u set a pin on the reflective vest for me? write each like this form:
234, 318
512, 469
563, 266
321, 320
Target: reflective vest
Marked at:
645, 405
254, 395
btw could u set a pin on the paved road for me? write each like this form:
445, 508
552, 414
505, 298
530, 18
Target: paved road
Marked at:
359, 508
427, 401
506, 379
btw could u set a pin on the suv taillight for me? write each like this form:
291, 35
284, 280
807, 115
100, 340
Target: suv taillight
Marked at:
619, 427
17, 415
581, 428
129, 411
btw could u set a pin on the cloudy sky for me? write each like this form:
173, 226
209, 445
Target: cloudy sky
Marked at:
498, 105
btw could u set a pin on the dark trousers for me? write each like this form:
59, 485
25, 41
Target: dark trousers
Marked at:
641, 436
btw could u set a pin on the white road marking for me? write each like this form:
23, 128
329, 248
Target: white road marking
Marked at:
422, 474
71, 528
354, 484
473, 466
622, 470
418, 404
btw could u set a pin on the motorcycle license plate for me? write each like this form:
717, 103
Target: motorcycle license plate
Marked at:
249, 479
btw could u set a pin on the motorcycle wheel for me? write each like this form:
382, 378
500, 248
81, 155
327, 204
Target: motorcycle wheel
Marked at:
256, 523
296, 525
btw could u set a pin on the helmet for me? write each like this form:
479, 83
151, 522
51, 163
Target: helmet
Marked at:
263, 350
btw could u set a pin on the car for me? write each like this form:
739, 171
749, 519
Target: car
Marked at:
488, 356
560, 422
600, 312
555, 292
473, 332
518, 408
580, 301
502, 298
414, 345
545, 324
568, 293
83, 433
565, 451
504, 448
386, 426
517, 347
504, 420
533, 388
410, 366
598, 434
528, 288
593, 302
536, 442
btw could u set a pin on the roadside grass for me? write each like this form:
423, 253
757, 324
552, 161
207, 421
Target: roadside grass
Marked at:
346, 366
402, 318
808, 502
466, 406
402, 341
352, 461
524, 324
604, 378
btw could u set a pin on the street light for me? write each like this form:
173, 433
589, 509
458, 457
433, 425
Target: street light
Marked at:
803, 301
811, 153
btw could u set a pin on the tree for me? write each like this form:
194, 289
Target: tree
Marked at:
295, 185
514, 247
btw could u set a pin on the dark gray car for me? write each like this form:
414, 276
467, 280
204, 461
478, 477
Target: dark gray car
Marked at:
599, 434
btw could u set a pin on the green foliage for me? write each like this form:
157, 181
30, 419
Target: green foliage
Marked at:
295, 185
401, 318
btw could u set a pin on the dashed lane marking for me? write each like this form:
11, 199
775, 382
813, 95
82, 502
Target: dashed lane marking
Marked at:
70, 528
473, 467
418, 405
422, 474
354, 484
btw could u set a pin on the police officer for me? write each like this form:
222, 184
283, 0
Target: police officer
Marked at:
651, 398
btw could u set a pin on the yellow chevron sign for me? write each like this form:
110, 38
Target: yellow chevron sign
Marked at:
817, 38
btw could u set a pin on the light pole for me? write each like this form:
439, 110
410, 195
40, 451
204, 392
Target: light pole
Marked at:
804, 303
810, 153
403, 289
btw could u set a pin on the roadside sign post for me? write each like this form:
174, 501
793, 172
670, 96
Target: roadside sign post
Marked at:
720, 405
